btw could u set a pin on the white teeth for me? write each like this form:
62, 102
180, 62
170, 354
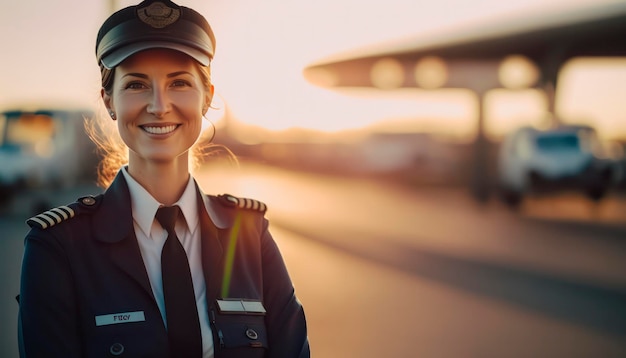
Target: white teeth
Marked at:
160, 130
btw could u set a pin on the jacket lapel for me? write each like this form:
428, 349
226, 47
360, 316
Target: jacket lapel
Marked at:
127, 256
114, 226
212, 250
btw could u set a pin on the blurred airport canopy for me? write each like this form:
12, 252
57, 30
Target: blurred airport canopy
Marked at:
545, 39
522, 52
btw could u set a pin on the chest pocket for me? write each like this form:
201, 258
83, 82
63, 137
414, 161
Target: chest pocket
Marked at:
240, 335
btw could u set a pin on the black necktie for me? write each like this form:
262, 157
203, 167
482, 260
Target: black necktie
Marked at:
183, 326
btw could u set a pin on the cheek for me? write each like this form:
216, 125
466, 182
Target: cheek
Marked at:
124, 132
192, 107
197, 127
128, 102
191, 101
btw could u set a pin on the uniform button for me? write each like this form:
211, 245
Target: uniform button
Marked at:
251, 333
116, 349
89, 201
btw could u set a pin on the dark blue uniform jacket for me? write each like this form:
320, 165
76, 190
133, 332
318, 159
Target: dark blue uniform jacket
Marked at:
89, 265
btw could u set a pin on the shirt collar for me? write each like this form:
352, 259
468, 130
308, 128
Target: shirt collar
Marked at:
189, 205
144, 205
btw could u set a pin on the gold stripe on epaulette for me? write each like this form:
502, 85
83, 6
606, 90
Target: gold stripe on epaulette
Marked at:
246, 203
51, 217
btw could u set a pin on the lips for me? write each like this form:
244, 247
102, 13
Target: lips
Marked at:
160, 129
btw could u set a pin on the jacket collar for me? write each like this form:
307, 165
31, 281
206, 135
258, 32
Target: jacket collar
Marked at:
221, 216
114, 221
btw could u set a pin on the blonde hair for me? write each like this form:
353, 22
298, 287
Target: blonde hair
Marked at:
114, 152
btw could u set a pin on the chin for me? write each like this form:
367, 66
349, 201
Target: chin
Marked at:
163, 157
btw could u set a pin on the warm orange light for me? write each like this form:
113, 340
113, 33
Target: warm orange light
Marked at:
321, 77
387, 73
431, 72
258, 68
517, 72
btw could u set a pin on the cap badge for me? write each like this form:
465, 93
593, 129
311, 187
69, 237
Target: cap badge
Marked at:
158, 15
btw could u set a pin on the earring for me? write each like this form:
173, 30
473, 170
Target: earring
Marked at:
112, 114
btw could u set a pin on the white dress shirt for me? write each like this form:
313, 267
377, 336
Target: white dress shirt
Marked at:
151, 238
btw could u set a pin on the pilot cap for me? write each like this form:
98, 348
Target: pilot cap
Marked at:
154, 24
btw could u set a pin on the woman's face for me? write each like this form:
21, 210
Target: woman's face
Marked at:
158, 99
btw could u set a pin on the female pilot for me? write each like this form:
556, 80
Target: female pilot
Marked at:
153, 267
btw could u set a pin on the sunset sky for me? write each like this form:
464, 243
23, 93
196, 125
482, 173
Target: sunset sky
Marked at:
263, 46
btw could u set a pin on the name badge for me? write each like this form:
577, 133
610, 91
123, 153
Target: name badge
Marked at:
240, 306
115, 318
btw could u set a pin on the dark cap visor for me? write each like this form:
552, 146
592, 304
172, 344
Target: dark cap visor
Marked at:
116, 57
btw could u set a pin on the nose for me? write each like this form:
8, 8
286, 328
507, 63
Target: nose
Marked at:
159, 103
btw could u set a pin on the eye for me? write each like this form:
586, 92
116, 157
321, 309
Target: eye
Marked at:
135, 85
180, 83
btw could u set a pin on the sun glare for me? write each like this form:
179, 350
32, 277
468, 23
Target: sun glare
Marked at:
258, 67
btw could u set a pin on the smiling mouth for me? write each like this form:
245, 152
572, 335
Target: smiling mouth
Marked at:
160, 130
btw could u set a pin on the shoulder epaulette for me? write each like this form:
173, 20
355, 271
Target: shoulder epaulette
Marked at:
51, 217
59, 214
242, 203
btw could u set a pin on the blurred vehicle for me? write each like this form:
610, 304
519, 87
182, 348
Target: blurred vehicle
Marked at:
43, 149
564, 157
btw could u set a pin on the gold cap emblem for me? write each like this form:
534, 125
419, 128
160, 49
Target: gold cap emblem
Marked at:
158, 15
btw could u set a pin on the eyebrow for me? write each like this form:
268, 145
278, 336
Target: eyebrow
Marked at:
174, 74
169, 75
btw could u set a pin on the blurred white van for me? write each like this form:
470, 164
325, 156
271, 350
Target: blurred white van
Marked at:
564, 157
43, 149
